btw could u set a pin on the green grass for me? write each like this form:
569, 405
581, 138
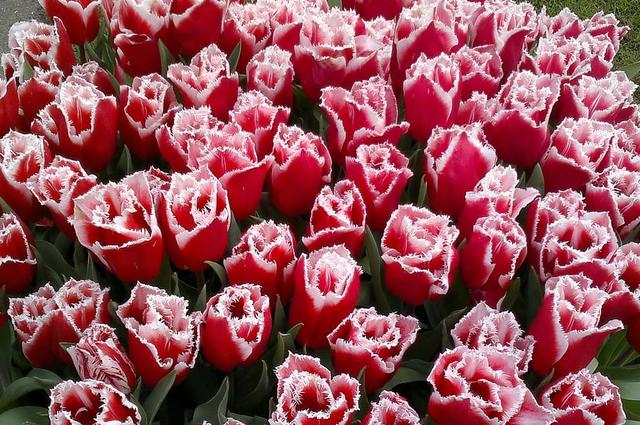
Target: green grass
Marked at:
627, 12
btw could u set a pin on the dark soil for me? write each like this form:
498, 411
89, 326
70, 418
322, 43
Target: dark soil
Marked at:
12, 11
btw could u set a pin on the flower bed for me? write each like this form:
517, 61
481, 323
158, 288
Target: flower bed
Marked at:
374, 212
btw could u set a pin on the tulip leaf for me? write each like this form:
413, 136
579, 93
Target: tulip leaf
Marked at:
25, 415
27, 70
260, 390
536, 179
5, 207
632, 70
234, 232
631, 237
363, 403
7, 340
632, 409
220, 272
615, 346
166, 58
164, 278
375, 265
511, 296
158, 394
125, 162
50, 256
410, 371
201, 301
335, 3
279, 321
285, 343
214, 410
28, 384
234, 57
422, 193
249, 420
535, 293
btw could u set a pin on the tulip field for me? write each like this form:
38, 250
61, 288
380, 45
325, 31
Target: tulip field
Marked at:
320, 212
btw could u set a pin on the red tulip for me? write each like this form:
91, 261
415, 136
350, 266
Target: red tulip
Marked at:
163, 337
80, 17
366, 339
287, 19
21, 156
236, 325
495, 250
391, 409
91, 402
145, 106
17, 259
100, 356
584, 398
248, 25
57, 186
526, 102
372, 52
567, 328
481, 387
9, 106
326, 288
260, 257
207, 81
127, 241
433, 84
80, 124
331, 400
338, 217
546, 211
381, 174
46, 318
426, 28
271, 73
579, 150
609, 99
195, 217
455, 160
136, 30
484, 326
301, 167
578, 244
366, 115
38, 91
509, 26
617, 192
327, 44
255, 114
480, 70
42, 45
419, 254
195, 24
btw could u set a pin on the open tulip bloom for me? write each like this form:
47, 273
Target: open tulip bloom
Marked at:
314, 212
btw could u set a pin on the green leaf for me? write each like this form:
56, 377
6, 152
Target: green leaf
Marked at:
408, 373
285, 343
534, 294
158, 394
511, 296
375, 265
39, 379
632, 70
166, 58
260, 390
220, 272
612, 349
5, 207
91, 272
25, 415
234, 57
279, 321
214, 410
164, 278
632, 409
7, 340
234, 233
201, 301
50, 256
125, 162
631, 237
27, 70
335, 3
536, 180
422, 193
363, 403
